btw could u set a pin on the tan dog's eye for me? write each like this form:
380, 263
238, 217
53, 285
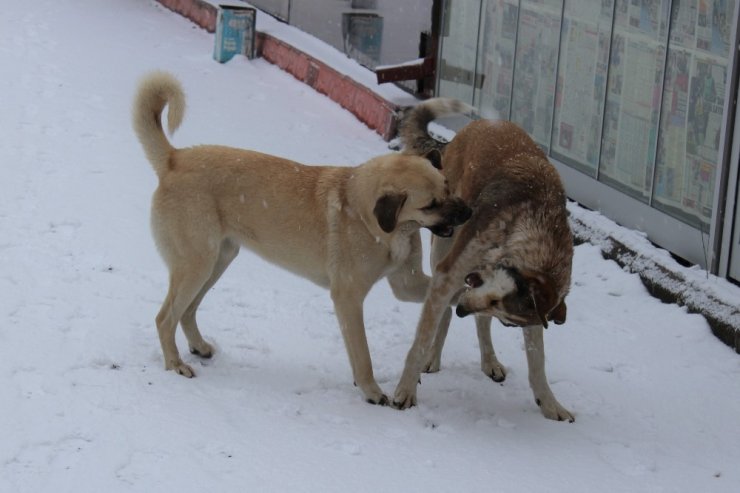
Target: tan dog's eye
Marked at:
494, 302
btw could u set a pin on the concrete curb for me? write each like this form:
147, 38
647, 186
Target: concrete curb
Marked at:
669, 286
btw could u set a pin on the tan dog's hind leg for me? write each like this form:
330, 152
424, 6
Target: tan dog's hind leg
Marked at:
348, 307
534, 346
227, 253
489, 364
186, 280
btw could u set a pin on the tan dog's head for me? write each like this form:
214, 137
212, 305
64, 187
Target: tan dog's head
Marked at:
515, 297
412, 189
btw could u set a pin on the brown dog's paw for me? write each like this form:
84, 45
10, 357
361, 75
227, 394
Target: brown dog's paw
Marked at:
553, 410
404, 400
494, 371
432, 367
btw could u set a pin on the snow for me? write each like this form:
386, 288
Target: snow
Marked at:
87, 405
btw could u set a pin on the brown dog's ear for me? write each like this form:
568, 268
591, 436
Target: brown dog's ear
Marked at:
387, 209
558, 313
543, 296
434, 157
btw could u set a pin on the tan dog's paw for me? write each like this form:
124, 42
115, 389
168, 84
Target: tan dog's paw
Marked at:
181, 369
494, 370
378, 401
373, 394
204, 350
552, 409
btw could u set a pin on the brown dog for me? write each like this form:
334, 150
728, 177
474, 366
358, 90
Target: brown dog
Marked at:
514, 255
342, 228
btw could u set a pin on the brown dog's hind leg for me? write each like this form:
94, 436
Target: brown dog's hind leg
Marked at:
435, 360
197, 345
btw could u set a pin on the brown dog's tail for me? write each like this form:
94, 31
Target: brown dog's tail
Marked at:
413, 129
157, 90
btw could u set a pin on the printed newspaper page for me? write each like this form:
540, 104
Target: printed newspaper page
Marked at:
633, 95
536, 67
582, 81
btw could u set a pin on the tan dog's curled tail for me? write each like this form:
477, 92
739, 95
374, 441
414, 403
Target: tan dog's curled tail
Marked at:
413, 130
157, 90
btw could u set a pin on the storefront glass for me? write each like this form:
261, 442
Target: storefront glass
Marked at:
457, 68
630, 92
584, 57
693, 109
633, 96
497, 39
535, 67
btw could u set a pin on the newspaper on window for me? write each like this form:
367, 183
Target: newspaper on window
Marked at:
496, 57
693, 107
633, 96
584, 56
536, 67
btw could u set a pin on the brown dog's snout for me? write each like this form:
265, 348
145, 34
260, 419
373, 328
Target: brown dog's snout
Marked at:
464, 214
456, 211
461, 311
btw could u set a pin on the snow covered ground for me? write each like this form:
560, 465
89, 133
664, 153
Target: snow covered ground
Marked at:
87, 406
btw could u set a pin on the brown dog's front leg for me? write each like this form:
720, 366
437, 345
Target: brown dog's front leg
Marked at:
435, 304
534, 346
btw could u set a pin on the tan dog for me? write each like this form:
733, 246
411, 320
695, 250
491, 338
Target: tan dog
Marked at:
342, 228
514, 254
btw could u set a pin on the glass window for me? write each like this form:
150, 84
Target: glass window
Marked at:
630, 92
535, 67
582, 73
693, 108
735, 246
497, 43
633, 96
457, 74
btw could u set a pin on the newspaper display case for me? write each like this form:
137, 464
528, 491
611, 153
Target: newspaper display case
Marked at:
633, 101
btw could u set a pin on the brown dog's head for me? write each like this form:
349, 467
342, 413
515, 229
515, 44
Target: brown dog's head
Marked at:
413, 189
515, 297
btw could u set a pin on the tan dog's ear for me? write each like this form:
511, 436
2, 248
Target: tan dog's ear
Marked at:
387, 208
434, 157
558, 313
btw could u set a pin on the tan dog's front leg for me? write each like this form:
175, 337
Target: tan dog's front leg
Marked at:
438, 299
534, 346
348, 307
